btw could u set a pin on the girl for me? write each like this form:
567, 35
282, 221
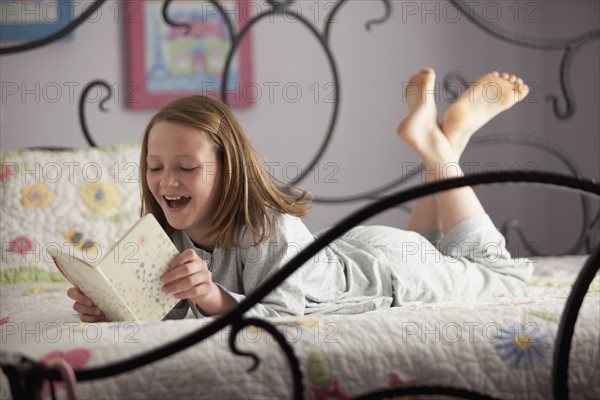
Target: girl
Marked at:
203, 181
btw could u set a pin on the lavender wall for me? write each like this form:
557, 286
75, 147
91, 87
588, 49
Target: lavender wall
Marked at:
40, 90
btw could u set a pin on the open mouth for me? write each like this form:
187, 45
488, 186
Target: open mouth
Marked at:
177, 201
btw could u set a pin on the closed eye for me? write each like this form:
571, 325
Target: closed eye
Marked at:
188, 169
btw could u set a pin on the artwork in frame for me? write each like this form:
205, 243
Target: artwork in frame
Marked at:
33, 19
165, 62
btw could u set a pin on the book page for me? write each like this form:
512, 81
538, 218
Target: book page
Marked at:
93, 284
135, 265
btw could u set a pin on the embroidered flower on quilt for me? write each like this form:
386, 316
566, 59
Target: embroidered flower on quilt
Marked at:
80, 241
37, 195
20, 245
324, 386
34, 291
334, 392
77, 358
524, 343
6, 170
100, 196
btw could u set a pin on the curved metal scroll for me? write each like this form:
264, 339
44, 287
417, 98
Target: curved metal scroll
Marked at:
280, 339
566, 328
70, 27
424, 391
334, 70
83, 101
330, 17
548, 147
281, 9
570, 47
512, 225
588, 228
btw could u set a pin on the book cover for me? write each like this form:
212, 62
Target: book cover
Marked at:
125, 283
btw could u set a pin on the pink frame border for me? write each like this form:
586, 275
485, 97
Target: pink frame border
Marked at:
141, 98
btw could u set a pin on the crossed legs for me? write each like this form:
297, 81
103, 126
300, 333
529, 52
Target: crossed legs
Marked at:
441, 145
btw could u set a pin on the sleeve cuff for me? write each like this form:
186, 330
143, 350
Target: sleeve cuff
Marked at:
200, 313
465, 229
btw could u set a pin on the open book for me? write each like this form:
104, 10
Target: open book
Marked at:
125, 283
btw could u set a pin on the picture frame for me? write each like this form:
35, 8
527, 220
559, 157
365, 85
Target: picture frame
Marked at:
165, 62
33, 19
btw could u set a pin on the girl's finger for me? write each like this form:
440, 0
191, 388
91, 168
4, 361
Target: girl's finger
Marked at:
187, 282
92, 318
186, 269
184, 257
87, 310
76, 294
196, 291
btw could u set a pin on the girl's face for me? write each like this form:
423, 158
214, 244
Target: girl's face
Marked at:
184, 176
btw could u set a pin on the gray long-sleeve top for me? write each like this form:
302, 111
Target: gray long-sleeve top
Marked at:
366, 269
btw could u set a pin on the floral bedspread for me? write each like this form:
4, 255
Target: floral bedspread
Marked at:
81, 201
502, 349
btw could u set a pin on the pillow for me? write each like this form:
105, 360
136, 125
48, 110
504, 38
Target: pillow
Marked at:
79, 201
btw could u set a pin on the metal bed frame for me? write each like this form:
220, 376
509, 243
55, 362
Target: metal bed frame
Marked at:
26, 376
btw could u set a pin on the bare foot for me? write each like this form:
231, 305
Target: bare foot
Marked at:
422, 110
487, 97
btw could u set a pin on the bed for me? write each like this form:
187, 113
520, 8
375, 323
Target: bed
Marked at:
542, 346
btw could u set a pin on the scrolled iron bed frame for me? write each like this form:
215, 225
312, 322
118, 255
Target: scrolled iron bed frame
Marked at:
26, 376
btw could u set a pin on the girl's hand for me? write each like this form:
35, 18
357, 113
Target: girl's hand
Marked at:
86, 309
189, 278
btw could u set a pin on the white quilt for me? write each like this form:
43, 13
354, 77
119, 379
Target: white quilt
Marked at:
502, 349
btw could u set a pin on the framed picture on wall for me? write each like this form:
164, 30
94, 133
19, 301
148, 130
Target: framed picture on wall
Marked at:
165, 62
33, 19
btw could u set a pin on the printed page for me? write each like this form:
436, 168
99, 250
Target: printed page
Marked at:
135, 265
92, 282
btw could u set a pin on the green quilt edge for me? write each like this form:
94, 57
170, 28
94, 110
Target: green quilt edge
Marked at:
29, 274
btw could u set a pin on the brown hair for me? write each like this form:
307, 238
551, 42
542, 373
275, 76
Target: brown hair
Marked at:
249, 193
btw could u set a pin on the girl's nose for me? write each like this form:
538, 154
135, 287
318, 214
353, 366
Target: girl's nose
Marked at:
169, 179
